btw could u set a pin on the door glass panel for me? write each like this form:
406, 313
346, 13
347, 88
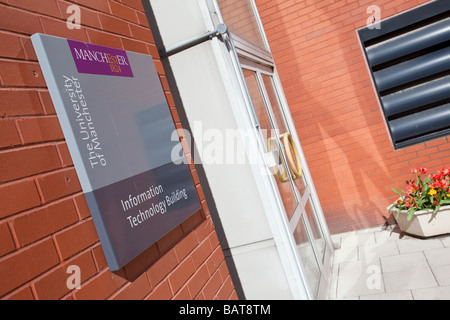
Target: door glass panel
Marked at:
281, 176
281, 123
318, 239
307, 257
238, 15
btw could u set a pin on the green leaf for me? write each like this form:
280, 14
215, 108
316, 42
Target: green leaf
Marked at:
397, 192
436, 209
410, 214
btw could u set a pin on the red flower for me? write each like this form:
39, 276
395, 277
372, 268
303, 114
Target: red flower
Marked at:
419, 170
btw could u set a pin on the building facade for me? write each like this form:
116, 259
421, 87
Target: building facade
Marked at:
344, 133
278, 107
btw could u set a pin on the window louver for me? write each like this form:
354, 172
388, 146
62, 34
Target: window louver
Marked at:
409, 58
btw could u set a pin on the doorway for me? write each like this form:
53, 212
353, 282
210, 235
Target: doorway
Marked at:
291, 180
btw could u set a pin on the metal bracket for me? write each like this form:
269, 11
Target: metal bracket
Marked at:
221, 30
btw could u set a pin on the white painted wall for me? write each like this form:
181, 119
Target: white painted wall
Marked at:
247, 209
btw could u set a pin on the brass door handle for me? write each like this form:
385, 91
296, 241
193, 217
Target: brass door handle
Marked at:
295, 166
293, 158
282, 176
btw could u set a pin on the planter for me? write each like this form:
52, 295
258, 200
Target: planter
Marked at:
424, 223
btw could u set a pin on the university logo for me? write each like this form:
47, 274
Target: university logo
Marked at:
95, 59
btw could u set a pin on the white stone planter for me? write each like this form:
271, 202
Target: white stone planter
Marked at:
424, 223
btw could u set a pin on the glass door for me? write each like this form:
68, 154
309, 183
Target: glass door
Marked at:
293, 187
255, 69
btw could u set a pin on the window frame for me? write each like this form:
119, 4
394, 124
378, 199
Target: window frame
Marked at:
395, 26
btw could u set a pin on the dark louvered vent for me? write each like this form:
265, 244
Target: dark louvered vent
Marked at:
409, 58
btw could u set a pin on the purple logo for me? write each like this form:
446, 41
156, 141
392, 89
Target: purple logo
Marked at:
95, 59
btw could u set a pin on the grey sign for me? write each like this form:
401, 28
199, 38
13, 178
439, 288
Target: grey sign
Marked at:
118, 127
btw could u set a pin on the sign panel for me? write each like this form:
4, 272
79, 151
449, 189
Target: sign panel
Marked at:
118, 127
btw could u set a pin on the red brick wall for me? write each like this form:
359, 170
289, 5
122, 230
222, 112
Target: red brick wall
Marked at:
335, 108
45, 225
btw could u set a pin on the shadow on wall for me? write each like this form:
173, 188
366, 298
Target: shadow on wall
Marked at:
335, 111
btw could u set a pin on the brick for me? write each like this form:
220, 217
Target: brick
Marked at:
444, 147
26, 264
181, 274
226, 290
198, 280
436, 142
99, 257
183, 294
200, 193
215, 260
27, 161
161, 292
29, 22
19, 102
22, 294
212, 287
205, 229
161, 268
40, 129
114, 25
136, 290
124, 12
8, 134
18, 196
53, 285
6, 240
47, 103
214, 239
201, 253
27, 45
223, 269
44, 221
21, 74
185, 246
233, 296
171, 103
58, 184
104, 39
76, 238
153, 51
100, 287
164, 83
141, 33
48, 7
100, 5
64, 154
136, 4
142, 19
199, 297
10, 46
59, 28
82, 207
135, 46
